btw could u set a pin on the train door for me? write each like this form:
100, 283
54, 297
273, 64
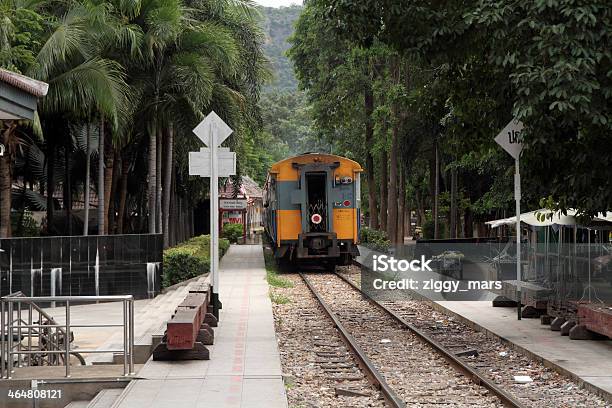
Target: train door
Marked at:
316, 201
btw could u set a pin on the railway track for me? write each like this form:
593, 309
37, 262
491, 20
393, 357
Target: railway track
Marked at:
495, 361
408, 367
320, 369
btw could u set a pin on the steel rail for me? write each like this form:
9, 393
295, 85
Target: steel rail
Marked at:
364, 362
474, 375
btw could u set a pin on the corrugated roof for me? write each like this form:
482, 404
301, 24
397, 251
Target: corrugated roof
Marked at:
248, 187
27, 84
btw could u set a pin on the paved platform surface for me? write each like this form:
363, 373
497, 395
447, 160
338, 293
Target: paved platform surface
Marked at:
586, 360
244, 369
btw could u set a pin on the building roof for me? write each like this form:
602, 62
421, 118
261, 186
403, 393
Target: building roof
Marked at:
545, 218
27, 84
248, 188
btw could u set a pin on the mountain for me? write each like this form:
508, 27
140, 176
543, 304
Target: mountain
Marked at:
277, 24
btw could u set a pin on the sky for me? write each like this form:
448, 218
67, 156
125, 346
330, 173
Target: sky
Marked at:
277, 3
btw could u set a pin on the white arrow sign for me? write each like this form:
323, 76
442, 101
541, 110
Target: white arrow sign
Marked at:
510, 138
212, 125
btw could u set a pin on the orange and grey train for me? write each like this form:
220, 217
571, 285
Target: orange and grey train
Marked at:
311, 208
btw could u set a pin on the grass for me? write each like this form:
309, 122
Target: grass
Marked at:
272, 274
277, 281
279, 299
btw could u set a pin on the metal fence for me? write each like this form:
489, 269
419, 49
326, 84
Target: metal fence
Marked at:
30, 337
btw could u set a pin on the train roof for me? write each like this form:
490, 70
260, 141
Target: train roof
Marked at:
323, 156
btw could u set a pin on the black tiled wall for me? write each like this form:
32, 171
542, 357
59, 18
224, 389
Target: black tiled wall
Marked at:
126, 264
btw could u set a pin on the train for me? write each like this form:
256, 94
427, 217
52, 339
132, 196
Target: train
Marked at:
311, 209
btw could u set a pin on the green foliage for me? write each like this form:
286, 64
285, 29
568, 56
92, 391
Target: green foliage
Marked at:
20, 31
188, 260
183, 263
277, 281
544, 62
203, 243
429, 230
287, 131
232, 232
375, 239
335, 74
144, 69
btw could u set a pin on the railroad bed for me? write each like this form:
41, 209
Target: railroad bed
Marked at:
493, 359
320, 371
416, 373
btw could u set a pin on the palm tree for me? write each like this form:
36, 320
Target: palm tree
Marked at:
200, 60
149, 69
80, 80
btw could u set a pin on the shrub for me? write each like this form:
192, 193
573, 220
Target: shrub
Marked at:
375, 239
232, 232
204, 242
189, 259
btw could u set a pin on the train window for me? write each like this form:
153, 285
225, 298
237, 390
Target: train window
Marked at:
316, 190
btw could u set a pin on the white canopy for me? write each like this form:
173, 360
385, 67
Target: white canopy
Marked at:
558, 218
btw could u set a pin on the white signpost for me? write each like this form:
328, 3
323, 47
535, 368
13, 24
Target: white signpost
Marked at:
213, 162
510, 139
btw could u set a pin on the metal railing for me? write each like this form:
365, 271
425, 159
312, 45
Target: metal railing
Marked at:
46, 341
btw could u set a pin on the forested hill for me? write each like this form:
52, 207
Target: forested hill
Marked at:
287, 120
278, 27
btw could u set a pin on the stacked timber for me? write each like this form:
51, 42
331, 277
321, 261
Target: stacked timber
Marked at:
596, 318
534, 297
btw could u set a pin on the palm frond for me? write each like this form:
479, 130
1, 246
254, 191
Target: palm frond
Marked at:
29, 199
95, 85
215, 42
68, 39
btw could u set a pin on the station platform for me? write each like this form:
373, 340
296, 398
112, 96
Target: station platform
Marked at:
244, 369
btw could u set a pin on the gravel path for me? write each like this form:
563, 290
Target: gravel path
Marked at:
497, 360
319, 370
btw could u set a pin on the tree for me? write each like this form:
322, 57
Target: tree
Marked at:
133, 72
338, 77
552, 58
